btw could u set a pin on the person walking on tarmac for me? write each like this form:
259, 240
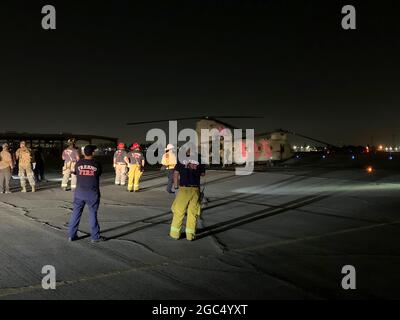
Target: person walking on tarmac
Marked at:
70, 156
169, 162
187, 175
88, 172
135, 162
120, 165
25, 160
6, 167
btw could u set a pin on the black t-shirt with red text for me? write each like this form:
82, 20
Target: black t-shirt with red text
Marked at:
190, 172
88, 174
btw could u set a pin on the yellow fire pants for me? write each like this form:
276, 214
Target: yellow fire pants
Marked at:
187, 200
134, 175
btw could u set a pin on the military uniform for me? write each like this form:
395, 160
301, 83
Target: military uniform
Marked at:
135, 159
70, 157
120, 167
187, 199
25, 160
6, 165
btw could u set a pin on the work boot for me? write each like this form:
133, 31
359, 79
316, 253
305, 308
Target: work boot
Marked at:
174, 237
33, 189
190, 237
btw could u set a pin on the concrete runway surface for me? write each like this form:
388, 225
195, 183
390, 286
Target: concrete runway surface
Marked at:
284, 234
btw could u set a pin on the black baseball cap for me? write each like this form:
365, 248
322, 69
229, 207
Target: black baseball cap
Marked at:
89, 150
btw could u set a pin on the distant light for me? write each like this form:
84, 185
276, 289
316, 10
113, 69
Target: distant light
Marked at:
324, 156
386, 149
380, 147
390, 158
370, 169
298, 157
353, 157
295, 147
390, 148
396, 149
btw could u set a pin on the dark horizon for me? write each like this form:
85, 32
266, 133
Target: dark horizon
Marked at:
112, 63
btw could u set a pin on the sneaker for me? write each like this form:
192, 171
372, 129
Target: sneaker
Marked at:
33, 189
23, 190
100, 239
72, 239
7, 192
64, 189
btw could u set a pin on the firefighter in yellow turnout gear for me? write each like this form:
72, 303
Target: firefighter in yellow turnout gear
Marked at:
187, 175
135, 162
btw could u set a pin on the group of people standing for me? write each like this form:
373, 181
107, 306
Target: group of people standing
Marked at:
183, 179
26, 165
84, 173
129, 165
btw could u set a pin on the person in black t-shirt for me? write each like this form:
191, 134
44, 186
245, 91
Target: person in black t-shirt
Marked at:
88, 172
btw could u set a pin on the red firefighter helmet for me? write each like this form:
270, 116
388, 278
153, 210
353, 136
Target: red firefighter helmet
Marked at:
135, 146
121, 146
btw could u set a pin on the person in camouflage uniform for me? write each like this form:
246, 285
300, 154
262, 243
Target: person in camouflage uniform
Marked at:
6, 166
25, 159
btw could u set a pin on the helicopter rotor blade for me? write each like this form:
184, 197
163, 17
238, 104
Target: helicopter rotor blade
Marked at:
193, 118
163, 120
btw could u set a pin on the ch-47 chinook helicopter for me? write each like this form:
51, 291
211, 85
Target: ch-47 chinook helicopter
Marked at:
272, 146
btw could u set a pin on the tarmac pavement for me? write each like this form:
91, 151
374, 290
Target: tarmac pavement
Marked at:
272, 235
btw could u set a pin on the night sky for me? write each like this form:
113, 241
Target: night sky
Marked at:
112, 62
